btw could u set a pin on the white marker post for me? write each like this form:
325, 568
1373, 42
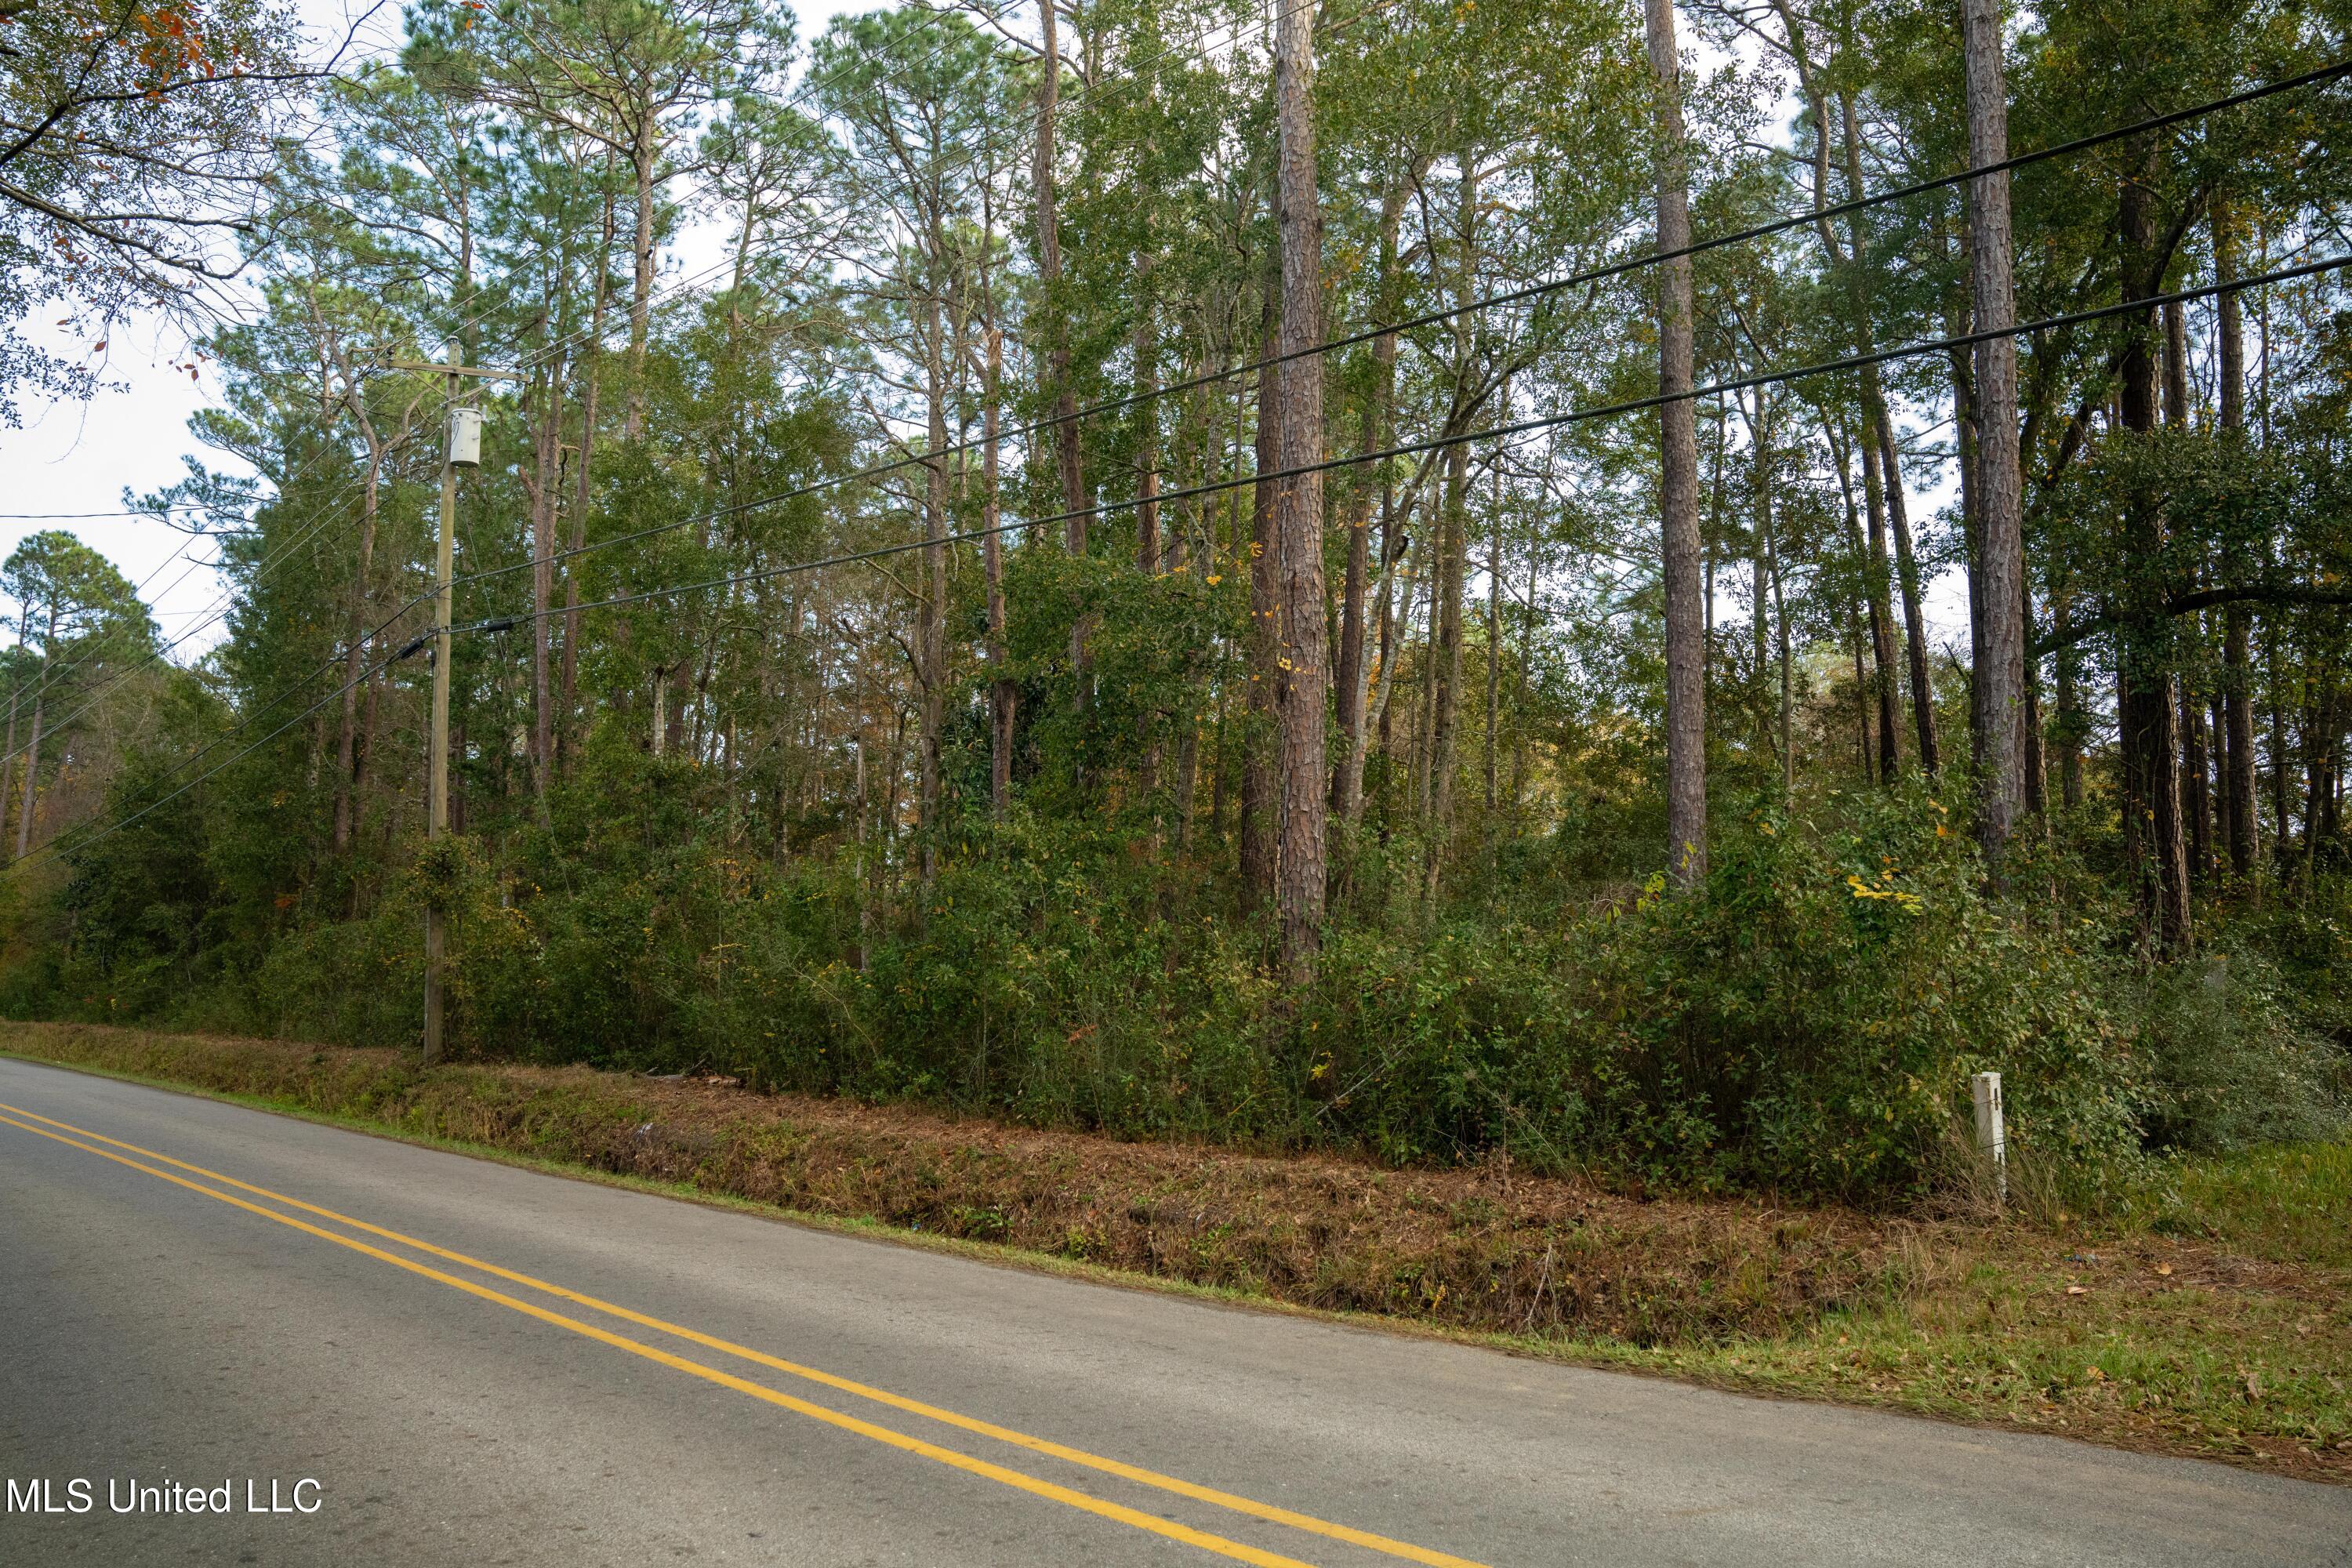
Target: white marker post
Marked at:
1990, 1143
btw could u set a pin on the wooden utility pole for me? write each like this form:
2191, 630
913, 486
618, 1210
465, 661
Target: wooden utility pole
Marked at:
436, 774
461, 448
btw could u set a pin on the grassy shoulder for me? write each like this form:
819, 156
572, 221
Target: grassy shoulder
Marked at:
2213, 1318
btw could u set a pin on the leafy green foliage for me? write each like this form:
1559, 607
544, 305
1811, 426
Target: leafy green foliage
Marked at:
1806, 1022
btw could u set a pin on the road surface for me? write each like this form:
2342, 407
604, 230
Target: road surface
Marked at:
472, 1363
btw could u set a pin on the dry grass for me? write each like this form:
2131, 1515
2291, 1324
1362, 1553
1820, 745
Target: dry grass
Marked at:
2232, 1341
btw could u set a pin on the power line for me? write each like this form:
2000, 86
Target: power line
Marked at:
1500, 432
318, 519
801, 94
227, 600
1595, 275
1438, 443
897, 464
59, 845
148, 512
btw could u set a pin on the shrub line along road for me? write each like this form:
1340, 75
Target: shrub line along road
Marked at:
478, 1363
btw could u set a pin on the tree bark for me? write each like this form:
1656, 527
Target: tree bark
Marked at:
1997, 734
590, 363
9, 760
2196, 799
1258, 838
931, 629
1843, 457
2176, 367
1915, 620
2144, 702
1445, 658
2278, 740
347, 751
2237, 732
1494, 623
1454, 545
1145, 346
1002, 694
1882, 634
1049, 276
548, 454
641, 279
2035, 785
1679, 478
33, 744
1300, 691
1880, 428
2070, 701
1350, 686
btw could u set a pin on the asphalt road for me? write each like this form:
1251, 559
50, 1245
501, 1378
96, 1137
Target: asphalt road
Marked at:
600, 1376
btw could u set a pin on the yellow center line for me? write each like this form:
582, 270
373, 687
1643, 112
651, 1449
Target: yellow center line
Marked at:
1238, 1504
1236, 1550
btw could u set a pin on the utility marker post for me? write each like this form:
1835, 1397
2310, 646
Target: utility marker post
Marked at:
1991, 1142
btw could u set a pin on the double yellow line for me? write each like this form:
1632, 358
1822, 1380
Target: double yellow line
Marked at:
86, 1140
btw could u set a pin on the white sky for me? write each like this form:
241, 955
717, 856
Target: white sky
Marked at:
72, 458
76, 457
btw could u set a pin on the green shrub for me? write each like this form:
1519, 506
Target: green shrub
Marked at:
1806, 1021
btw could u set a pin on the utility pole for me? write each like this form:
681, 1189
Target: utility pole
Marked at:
462, 448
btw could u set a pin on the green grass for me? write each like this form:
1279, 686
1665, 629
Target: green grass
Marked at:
2288, 1204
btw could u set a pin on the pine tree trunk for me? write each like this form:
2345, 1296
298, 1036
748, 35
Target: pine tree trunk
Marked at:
1003, 695
548, 452
1258, 837
2278, 741
8, 762
1445, 660
1914, 619
1843, 457
2236, 734
931, 628
1067, 434
1882, 634
1997, 734
2176, 367
591, 361
33, 744
1145, 345
347, 751
2196, 801
2035, 785
2070, 704
641, 280
1879, 426
1349, 685
1302, 685
2148, 715
1495, 625
1679, 478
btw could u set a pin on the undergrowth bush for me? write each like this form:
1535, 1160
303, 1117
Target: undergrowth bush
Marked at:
1805, 1021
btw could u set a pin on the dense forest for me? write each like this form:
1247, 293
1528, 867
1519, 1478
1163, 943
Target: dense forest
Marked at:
1369, 574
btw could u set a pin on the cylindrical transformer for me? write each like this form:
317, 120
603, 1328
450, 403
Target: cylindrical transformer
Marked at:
464, 437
